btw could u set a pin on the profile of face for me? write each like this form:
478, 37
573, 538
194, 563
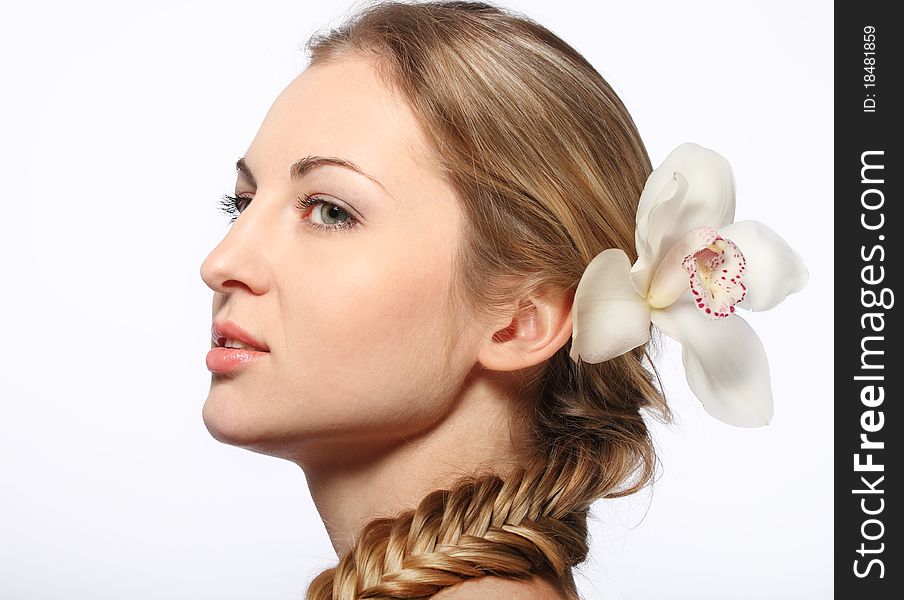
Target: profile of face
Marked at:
349, 292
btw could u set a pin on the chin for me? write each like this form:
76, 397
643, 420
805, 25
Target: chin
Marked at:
225, 423
230, 423
315, 437
252, 427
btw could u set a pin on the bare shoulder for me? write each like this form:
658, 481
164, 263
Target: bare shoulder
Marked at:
501, 588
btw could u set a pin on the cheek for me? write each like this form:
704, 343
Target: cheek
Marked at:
369, 337
383, 306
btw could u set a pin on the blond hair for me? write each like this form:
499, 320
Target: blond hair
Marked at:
548, 166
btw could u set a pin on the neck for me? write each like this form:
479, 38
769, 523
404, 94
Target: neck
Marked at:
384, 478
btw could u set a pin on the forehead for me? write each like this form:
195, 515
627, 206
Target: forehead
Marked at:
341, 108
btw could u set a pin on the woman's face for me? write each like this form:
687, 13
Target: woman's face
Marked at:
355, 319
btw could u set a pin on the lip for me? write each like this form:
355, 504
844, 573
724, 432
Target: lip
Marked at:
224, 360
221, 330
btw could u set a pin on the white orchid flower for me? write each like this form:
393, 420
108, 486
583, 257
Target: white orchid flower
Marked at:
694, 266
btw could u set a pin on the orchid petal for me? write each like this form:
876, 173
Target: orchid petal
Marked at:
660, 215
724, 361
608, 317
671, 278
708, 199
774, 269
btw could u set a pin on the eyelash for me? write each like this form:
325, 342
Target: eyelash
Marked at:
229, 205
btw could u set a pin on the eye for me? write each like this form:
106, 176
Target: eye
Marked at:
325, 215
234, 205
329, 215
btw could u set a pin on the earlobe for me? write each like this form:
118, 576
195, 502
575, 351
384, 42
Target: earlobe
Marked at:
537, 329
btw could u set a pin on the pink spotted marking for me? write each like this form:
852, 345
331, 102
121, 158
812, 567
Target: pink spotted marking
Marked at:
716, 269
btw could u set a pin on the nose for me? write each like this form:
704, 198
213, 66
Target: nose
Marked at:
238, 260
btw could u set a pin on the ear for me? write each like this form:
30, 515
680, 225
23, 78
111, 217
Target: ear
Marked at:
531, 333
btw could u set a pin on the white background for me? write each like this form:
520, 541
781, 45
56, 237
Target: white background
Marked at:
120, 124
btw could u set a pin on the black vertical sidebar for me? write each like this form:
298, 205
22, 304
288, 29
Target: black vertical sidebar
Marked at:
868, 372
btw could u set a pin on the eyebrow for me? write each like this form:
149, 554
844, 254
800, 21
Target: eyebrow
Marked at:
304, 165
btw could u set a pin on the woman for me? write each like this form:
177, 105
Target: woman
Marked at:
427, 195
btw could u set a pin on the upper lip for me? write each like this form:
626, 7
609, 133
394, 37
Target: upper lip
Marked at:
221, 330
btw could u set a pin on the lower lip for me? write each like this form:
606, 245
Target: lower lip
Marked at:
224, 360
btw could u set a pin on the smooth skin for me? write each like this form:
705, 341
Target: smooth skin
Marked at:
373, 385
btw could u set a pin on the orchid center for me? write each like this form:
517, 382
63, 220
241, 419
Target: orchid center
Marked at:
716, 270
